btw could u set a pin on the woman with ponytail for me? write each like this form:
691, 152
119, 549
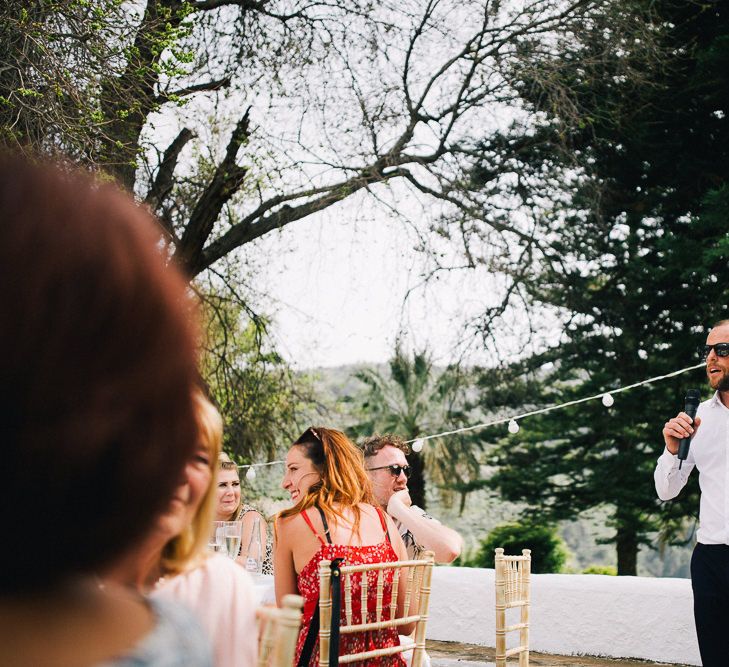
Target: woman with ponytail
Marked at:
333, 516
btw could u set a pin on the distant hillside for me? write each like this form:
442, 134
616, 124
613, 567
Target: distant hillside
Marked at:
338, 383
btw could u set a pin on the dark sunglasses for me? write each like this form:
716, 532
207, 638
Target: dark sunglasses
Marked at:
721, 349
396, 470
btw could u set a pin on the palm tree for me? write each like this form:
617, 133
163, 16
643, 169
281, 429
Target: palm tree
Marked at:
416, 400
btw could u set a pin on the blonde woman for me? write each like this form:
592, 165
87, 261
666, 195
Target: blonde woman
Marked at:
231, 508
173, 562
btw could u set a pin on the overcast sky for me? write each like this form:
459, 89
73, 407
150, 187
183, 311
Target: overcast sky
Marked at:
337, 284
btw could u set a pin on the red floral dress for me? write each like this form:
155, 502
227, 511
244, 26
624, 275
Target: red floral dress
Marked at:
308, 583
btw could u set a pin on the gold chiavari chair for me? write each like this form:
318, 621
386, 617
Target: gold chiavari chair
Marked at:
341, 581
278, 630
512, 590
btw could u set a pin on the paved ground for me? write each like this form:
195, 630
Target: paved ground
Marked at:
453, 654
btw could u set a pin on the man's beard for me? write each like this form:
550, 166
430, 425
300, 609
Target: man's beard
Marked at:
723, 384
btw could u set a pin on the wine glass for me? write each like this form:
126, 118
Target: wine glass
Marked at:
216, 543
226, 538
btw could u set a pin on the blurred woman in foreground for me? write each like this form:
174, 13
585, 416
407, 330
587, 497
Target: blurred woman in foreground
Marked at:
230, 507
333, 517
173, 563
96, 421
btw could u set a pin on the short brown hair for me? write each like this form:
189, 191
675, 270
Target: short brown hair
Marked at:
96, 373
370, 446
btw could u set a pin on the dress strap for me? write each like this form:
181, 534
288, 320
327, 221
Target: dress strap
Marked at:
325, 524
244, 509
313, 530
384, 523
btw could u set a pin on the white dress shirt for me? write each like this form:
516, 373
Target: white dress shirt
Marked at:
709, 452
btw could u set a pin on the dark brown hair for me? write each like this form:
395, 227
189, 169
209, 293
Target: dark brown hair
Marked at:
370, 446
96, 372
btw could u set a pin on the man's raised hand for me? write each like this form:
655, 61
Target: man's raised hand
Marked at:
678, 427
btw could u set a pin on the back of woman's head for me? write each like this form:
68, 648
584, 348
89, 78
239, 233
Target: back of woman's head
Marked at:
96, 373
344, 483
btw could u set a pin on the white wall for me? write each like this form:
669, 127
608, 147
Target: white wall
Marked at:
622, 617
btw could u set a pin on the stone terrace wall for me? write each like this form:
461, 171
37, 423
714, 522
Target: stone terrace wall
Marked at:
572, 614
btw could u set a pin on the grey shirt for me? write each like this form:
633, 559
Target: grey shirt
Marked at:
177, 640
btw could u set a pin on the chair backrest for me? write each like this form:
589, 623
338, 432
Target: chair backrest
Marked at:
370, 585
512, 590
278, 631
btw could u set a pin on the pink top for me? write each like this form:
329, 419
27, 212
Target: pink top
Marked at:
221, 595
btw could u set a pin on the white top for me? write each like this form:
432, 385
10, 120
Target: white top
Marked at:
222, 596
709, 453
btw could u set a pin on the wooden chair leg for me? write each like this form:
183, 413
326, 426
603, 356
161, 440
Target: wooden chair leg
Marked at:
325, 612
526, 567
500, 608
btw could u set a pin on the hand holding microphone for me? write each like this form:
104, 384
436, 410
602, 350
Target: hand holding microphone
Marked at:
677, 432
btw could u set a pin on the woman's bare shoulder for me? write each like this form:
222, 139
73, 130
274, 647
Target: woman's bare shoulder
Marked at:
292, 522
368, 510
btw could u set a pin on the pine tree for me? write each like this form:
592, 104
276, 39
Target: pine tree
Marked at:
641, 274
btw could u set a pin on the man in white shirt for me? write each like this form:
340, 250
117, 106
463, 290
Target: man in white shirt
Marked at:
709, 449
389, 471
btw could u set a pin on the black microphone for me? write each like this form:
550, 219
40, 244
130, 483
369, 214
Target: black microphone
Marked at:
691, 405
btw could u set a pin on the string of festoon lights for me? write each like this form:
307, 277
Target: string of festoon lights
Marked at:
607, 398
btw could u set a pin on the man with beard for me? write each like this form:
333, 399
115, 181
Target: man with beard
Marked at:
709, 433
389, 471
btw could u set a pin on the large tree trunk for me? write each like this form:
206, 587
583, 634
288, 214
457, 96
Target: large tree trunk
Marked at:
129, 99
626, 545
416, 483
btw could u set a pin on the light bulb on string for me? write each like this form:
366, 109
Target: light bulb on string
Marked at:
513, 426
251, 473
417, 446
607, 400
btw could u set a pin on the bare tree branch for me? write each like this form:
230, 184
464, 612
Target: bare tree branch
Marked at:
207, 86
164, 181
227, 179
205, 5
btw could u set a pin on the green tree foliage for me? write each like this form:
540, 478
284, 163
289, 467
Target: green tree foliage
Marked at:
548, 550
609, 570
636, 267
258, 393
413, 400
82, 77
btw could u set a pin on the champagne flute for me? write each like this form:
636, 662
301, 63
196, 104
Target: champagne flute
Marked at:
232, 538
225, 538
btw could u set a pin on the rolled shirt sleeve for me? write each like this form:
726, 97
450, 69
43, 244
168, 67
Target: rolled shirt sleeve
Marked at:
668, 478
